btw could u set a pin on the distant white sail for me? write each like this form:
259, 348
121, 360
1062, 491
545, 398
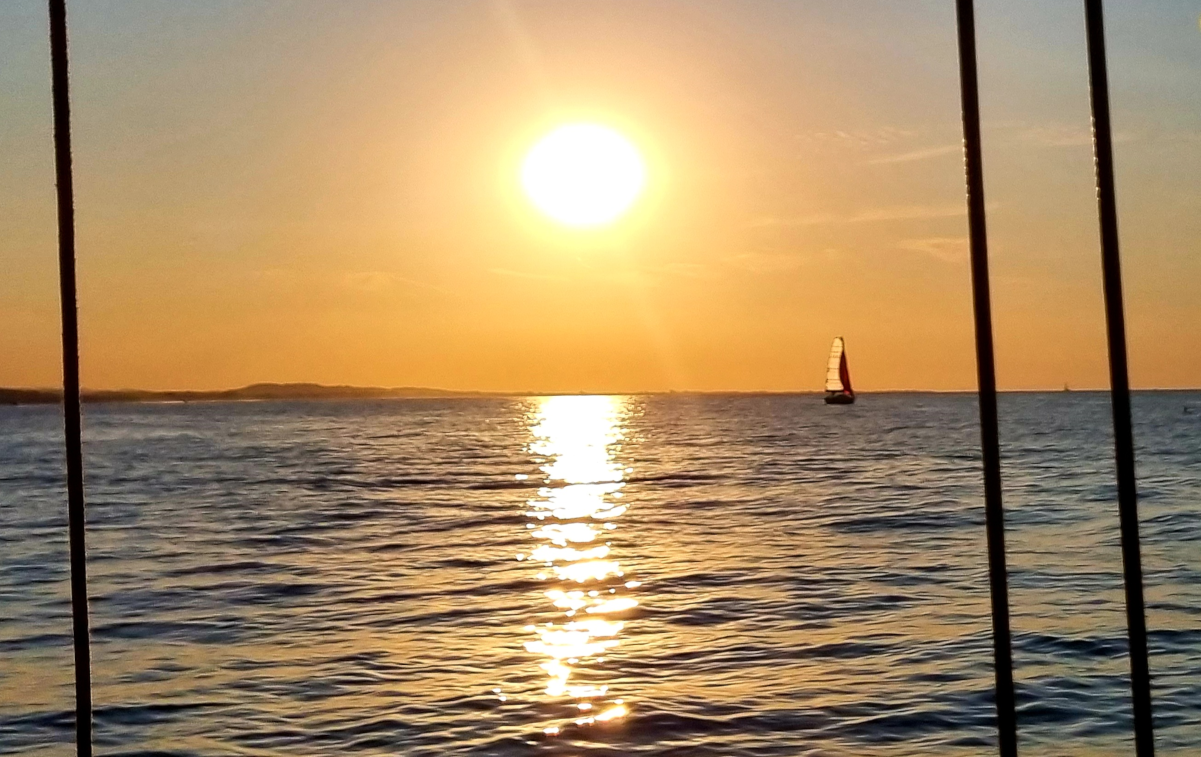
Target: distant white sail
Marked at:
834, 368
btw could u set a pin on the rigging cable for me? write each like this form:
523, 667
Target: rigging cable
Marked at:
1119, 382
72, 423
994, 515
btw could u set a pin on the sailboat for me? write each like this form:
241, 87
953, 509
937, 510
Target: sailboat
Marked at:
838, 376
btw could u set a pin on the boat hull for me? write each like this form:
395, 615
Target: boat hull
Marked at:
840, 398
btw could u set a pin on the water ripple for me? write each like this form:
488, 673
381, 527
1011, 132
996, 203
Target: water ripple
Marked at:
735, 576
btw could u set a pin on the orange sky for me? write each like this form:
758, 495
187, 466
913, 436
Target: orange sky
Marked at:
312, 191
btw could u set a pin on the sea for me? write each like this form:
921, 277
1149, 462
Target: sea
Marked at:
667, 575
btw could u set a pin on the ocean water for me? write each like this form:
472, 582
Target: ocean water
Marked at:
662, 575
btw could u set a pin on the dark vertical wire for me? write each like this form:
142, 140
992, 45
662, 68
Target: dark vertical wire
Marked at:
1123, 436
994, 515
71, 411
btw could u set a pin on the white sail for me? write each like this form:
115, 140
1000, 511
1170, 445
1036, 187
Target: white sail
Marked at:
833, 377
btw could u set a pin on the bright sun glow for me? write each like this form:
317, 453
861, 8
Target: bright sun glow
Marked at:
583, 175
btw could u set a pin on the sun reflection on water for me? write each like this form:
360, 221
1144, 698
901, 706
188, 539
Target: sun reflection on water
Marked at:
571, 520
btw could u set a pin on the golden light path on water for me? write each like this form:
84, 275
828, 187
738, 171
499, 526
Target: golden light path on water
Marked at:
570, 523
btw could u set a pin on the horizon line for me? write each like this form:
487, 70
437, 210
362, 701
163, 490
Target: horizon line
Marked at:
282, 391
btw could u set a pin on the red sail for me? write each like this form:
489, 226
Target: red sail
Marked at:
844, 374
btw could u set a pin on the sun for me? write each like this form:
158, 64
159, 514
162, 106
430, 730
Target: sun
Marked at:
583, 175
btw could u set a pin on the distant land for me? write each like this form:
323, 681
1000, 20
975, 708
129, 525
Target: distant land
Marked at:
246, 393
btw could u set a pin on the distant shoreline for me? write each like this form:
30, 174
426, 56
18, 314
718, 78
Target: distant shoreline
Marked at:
304, 391
252, 393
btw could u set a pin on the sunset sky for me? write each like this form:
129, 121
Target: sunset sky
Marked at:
330, 192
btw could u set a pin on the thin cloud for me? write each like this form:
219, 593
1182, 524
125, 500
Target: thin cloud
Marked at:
1062, 135
525, 275
884, 135
368, 281
777, 261
684, 270
378, 281
914, 155
948, 249
875, 215
765, 262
